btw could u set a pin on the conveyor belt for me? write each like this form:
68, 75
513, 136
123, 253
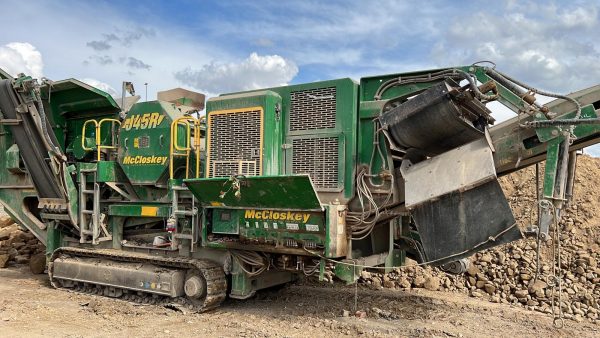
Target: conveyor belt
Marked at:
31, 144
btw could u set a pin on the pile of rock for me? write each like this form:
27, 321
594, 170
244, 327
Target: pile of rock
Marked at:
16, 245
507, 274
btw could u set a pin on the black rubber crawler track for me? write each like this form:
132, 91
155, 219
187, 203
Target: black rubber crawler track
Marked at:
213, 274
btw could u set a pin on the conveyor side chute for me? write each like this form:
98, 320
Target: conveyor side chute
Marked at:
32, 132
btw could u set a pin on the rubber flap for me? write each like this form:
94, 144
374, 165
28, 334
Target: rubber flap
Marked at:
458, 224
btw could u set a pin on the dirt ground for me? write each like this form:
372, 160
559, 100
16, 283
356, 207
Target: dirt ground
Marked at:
30, 307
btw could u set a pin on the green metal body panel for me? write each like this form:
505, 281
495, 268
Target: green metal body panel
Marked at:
270, 102
54, 240
145, 141
274, 192
64, 102
139, 210
347, 272
269, 224
71, 103
345, 131
17, 195
106, 171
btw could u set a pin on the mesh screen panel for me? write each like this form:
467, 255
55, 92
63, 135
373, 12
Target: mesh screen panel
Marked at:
234, 144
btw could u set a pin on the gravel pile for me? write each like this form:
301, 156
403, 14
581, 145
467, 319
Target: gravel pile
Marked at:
17, 246
506, 274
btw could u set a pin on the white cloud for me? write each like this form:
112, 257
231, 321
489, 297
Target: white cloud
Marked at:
100, 85
546, 46
580, 17
593, 150
21, 57
127, 38
254, 72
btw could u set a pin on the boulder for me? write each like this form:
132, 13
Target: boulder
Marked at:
37, 263
521, 293
490, 288
4, 259
432, 283
419, 281
5, 221
22, 259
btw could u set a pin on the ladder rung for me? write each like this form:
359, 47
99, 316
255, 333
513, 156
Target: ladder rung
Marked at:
91, 192
87, 212
87, 171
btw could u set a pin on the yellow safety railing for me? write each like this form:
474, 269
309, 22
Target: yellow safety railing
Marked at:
184, 151
98, 126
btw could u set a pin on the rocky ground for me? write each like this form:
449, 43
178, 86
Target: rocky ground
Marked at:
30, 307
506, 274
17, 246
410, 301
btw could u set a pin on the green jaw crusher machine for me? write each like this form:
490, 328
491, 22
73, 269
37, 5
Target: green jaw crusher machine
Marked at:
156, 204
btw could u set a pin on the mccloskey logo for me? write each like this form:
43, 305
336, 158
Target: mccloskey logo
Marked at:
277, 215
145, 159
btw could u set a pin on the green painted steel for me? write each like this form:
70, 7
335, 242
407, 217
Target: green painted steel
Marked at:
139, 210
345, 131
580, 131
17, 195
107, 171
274, 192
270, 102
71, 103
145, 142
347, 272
270, 226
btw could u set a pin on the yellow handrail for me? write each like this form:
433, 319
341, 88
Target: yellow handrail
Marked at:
176, 148
83, 134
99, 145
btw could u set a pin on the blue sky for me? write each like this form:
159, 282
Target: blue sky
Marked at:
222, 46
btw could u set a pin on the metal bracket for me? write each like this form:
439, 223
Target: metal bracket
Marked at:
10, 122
546, 218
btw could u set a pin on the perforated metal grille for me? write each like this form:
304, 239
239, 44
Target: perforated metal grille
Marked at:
317, 157
229, 168
234, 144
313, 109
